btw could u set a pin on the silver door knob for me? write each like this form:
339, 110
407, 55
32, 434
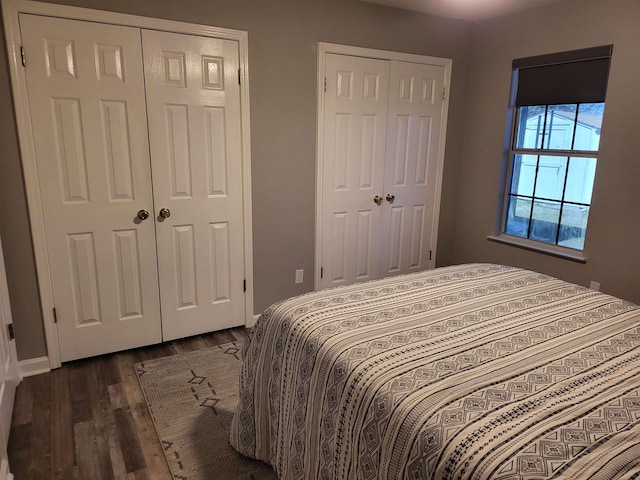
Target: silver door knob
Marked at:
143, 214
165, 212
390, 198
377, 200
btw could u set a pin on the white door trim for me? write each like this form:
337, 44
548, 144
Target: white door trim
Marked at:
10, 10
9, 375
323, 50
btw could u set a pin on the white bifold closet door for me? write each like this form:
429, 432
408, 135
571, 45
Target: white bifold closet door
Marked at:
382, 121
86, 96
97, 142
413, 133
193, 103
354, 145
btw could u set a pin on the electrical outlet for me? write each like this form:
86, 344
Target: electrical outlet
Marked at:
594, 286
299, 276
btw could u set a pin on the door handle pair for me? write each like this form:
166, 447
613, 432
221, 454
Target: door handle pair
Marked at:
144, 214
378, 199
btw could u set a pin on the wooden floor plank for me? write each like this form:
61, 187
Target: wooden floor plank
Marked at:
116, 458
18, 450
107, 370
86, 451
133, 392
80, 400
117, 395
23, 403
129, 441
152, 450
88, 420
189, 345
153, 351
102, 413
234, 335
140, 475
63, 457
40, 444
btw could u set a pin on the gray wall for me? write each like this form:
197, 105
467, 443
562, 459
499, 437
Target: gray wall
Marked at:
283, 36
15, 232
613, 235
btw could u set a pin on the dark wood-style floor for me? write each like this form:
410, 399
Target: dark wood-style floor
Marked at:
88, 419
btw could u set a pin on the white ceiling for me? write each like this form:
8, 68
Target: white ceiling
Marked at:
472, 10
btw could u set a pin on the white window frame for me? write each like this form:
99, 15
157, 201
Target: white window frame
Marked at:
539, 91
539, 245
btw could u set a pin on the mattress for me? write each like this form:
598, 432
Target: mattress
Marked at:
471, 371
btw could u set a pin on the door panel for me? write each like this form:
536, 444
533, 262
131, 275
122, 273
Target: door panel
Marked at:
86, 94
395, 244
193, 101
355, 126
118, 150
416, 249
129, 276
415, 112
82, 262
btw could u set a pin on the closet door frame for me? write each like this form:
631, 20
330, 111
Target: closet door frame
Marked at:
10, 11
329, 48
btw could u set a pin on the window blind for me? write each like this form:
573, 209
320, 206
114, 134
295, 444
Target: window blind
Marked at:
577, 76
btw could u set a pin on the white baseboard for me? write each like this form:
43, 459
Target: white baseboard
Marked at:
34, 366
251, 323
39, 365
4, 470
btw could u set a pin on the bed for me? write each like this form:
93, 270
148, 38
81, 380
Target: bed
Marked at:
472, 371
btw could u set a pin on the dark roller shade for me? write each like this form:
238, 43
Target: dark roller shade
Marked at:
578, 76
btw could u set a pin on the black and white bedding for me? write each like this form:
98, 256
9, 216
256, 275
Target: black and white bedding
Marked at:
472, 371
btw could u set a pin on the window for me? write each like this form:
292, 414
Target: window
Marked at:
558, 105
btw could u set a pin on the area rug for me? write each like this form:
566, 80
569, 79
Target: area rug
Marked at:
192, 398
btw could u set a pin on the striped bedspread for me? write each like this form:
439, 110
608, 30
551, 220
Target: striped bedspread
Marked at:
472, 371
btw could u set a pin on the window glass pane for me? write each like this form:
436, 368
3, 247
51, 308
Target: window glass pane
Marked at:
550, 181
544, 222
518, 213
559, 126
573, 226
588, 126
523, 175
530, 127
582, 172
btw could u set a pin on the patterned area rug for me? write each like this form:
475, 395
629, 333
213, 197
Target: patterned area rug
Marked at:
192, 398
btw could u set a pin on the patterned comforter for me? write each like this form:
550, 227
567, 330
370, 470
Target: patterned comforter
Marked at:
472, 371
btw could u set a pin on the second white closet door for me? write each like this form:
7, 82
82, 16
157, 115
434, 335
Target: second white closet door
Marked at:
382, 123
193, 105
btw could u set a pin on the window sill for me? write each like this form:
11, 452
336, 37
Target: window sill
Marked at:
568, 254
